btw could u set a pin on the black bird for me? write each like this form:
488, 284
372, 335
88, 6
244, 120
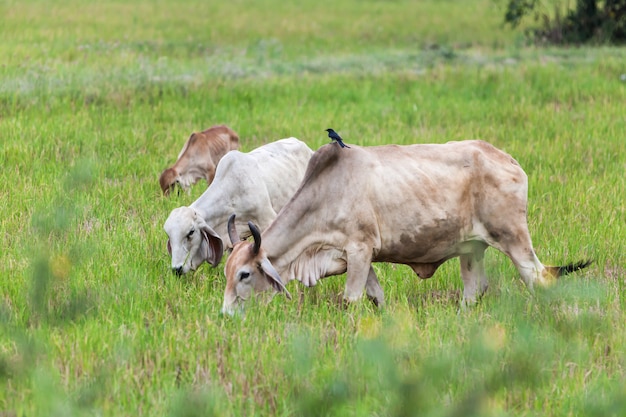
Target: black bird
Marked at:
334, 136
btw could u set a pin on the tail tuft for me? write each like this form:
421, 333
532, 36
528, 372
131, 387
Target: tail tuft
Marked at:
573, 267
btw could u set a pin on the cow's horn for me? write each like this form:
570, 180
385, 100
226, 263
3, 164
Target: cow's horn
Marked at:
232, 231
256, 235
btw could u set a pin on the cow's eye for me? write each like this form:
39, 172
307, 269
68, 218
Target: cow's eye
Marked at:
190, 233
244, 275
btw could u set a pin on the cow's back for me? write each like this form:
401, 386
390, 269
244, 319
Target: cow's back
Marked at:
213, 143
281, 166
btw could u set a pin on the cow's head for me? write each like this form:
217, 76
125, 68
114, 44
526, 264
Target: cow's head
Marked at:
248, 270
169, 179
191, 241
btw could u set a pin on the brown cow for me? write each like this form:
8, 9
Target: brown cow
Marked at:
199, 157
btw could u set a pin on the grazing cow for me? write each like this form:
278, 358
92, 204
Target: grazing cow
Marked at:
199, 157
257, 184
418, 205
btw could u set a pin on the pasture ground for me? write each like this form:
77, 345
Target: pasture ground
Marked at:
97, 98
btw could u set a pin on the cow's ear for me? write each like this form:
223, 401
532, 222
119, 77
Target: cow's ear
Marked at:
169, 247
273, 276
212, 245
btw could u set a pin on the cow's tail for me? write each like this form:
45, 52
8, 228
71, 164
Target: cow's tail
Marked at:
559, 271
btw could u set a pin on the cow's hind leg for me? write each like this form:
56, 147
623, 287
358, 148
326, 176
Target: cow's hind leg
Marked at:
373, 289
517, 245
473, 274
530, 268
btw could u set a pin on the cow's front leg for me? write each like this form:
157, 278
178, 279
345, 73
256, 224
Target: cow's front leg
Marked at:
373, 289
359, 265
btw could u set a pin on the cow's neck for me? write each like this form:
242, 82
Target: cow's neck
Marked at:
299, 242
298, 249
214, 214
283, 239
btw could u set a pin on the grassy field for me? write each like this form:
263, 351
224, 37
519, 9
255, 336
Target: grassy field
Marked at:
97, 98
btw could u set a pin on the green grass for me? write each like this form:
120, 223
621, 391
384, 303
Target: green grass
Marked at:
97, 98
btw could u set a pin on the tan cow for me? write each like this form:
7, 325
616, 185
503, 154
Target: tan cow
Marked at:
199, 157
418, 205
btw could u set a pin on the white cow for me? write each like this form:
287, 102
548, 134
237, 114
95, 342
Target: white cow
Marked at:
257, 184
418, 205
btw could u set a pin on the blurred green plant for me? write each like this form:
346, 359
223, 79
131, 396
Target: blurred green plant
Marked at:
589, 21
54, 299
54, 226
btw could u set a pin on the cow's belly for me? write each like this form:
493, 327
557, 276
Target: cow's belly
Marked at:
436, 242
434, 254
